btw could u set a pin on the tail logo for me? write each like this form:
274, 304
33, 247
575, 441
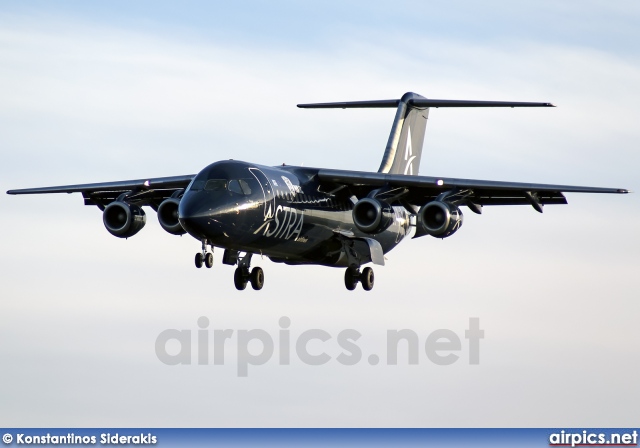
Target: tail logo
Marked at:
408, 154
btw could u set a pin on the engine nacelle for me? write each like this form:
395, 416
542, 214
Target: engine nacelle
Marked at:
123, 219
168, 216
372, 216
439, 219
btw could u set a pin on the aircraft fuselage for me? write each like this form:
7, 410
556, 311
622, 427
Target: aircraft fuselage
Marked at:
280, 212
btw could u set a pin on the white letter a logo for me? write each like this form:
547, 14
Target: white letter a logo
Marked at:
408, 154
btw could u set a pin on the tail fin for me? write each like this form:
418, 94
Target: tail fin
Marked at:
407, 133
404, 147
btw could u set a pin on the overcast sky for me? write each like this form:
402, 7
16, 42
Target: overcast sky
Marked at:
119, 90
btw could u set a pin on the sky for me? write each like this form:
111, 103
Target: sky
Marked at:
97, 92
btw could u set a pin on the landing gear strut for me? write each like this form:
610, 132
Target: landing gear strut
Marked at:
353, 275
243, 275
205, 256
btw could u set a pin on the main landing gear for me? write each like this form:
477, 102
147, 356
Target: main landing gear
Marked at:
205, 256
243, 275
353, 275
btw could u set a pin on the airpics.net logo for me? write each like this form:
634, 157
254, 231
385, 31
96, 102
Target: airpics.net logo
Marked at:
593, 438
312, 347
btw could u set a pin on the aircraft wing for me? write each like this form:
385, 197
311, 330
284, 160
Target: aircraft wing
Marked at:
150, 191
418, 190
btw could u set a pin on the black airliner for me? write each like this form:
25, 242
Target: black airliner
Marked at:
300, 215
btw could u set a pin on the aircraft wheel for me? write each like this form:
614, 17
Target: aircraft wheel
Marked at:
199, 259
257, 278
366, 278
208, 260
240, 279
351, 278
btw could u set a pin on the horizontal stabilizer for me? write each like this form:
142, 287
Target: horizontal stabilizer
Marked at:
404, 148
420, 102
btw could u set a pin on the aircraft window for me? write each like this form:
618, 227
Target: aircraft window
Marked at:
215, 185
196, 185
246, 189
234, 187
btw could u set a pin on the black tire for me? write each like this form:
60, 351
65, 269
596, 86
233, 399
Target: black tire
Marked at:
208, 260
199, 259
240, 279
257, 278
351, 278
366, 278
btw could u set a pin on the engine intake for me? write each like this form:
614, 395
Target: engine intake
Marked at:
168, 216
372, 216
440, 219
123, 219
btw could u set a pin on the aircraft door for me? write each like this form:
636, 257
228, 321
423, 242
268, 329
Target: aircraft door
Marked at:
269, 202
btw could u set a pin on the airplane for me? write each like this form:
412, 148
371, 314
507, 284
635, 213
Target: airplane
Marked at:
301, 215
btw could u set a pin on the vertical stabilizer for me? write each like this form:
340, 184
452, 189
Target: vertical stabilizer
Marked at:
404, 147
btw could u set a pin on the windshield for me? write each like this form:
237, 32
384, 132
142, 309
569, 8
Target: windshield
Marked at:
237, 186
216, 185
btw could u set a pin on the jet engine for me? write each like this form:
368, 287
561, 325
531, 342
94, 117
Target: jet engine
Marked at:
439, 219
123, 219
372, 215
168, 216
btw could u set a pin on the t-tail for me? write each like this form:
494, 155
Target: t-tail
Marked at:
404, 147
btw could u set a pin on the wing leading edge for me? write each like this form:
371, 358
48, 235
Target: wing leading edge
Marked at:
173, 182
420, 189
150, 191
446, 183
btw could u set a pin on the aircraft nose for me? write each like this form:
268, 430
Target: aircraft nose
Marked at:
199, 217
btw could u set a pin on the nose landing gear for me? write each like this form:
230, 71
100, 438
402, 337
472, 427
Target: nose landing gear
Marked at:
353, 275
205, 257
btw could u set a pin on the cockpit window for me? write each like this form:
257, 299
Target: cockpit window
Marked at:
215, 185
246, 189
240, 187
234, 187
196, 185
